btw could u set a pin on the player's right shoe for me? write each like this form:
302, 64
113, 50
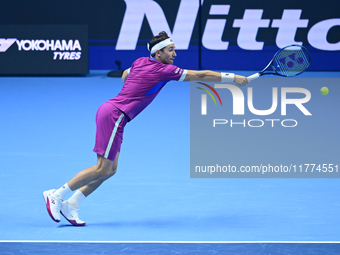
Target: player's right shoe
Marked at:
70, 213
53, 204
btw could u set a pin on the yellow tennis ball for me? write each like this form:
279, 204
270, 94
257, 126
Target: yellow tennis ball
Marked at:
324, 91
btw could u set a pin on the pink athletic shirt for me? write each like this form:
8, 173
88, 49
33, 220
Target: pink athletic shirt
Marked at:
146, 78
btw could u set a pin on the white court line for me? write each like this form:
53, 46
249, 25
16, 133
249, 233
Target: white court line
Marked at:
189, 242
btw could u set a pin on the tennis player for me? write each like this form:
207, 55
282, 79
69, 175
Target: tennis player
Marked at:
142, 83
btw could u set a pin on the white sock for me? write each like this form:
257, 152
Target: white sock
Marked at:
63, 191
77, 197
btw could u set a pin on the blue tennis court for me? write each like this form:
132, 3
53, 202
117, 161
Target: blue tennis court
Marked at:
47, 136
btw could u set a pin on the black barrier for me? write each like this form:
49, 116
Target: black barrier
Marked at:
44, 50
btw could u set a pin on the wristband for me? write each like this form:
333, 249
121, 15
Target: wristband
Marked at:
227, 77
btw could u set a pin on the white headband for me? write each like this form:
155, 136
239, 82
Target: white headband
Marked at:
161, 45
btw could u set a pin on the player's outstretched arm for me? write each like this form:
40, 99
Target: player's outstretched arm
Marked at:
211, 76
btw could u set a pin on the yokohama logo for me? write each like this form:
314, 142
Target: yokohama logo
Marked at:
40, 45
62, 49
6, 43
48, 45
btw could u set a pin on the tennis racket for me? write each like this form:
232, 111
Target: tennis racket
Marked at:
287, 62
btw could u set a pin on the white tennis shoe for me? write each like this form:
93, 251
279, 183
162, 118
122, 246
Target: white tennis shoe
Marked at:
71, 214
53, 204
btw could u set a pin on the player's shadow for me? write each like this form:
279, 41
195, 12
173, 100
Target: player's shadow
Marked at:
156, 223
185, 222
69, 225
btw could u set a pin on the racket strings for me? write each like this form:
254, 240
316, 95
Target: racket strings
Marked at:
291, 61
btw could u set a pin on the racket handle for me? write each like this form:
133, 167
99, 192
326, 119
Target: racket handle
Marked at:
253, 77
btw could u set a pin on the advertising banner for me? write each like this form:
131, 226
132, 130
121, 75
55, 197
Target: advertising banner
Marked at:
223, 35
44, 50
209, 34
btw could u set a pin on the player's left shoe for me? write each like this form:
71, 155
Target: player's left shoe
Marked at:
71, 214
53, 204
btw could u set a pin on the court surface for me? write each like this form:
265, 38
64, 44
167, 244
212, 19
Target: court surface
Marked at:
47, 136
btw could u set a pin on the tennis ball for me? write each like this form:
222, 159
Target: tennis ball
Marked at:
324, 91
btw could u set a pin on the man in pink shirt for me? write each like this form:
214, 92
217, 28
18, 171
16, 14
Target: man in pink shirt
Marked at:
142, 83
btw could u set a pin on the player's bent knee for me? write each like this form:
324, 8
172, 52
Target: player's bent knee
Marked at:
104, 169
112, 172
103, 172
